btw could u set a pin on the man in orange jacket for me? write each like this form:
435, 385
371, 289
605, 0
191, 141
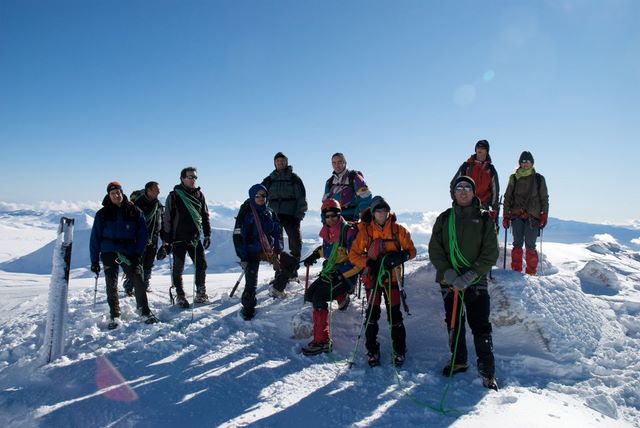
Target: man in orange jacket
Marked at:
381, 247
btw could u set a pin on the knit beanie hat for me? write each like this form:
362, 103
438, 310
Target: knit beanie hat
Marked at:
483, 144
526, 156
114, 185
464, 179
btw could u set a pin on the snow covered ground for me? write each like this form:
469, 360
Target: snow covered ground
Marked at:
567, 344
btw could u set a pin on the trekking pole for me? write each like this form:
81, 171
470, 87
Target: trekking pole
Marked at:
233, 290
403, 293
195, 273
504, 260
172, 300
541, 269
306, 281
95, 291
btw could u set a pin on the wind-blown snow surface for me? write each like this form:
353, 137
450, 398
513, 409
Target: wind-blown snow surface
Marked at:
567, 346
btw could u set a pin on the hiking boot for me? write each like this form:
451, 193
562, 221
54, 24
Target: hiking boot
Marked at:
398, 360
315, 348
201, 298
114, 323
490, 382
277, 294
150, 318
343, 303
373, 358
247, 313
457, 368
182, 302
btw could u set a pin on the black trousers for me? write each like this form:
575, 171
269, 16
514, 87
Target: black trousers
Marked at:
477, 307
134, 273
196, 253
291, 226
323, 290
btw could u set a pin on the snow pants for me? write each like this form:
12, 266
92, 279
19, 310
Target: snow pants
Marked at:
476, 311
133, 272
394, 317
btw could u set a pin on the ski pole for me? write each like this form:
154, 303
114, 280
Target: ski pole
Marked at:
172, 300
233, 290
306, 280
504, 260
542, 270
95, 291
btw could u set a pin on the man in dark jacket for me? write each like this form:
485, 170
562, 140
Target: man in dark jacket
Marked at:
147, 201
118, 238
184, 223
463, 248
288, 198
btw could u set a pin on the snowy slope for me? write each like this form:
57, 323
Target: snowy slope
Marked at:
567, 346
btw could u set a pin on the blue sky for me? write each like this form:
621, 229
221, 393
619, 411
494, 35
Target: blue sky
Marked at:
92, 91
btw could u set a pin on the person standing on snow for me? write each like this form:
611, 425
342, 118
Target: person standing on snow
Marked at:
382, 245
338, 275
347, 187
526, 210
118, 238
463, 248
483, 173
257, 236
185, 221
288, 198
147, 201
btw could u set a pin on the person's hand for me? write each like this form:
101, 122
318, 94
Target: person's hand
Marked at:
506, 221
95, 268
312, 259
450, 276
206, 242
543, 220
244, 264
464, 280
395, 258
494, 215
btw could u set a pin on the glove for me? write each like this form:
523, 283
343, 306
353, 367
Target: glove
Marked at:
312, 259
395, 258
244, 264
450, 276
206, 242
464, 280
95, 268
506, 221
162, 252
543, 220
338, 278
494, 215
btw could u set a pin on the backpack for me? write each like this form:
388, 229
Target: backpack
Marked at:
136, 194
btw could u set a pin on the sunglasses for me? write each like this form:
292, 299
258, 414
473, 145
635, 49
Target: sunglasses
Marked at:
192, 177
260, 195
331, 216
464, 189
525, 161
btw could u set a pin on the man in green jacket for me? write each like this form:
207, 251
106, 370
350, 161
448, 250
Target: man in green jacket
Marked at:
463, 248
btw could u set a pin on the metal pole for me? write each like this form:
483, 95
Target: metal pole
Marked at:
95, 291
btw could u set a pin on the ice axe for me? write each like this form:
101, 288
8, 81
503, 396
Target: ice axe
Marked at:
235, 287
95, 291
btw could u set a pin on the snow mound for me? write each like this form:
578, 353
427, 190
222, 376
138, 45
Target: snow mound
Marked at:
597, 278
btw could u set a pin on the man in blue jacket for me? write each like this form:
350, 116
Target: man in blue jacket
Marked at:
118, 238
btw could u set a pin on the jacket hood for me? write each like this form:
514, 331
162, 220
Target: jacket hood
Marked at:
254, 189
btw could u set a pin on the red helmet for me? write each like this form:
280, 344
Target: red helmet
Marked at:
331, 205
